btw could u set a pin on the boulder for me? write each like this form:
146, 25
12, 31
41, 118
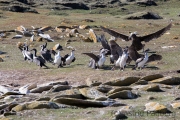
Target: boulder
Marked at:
36, 105
104, 88
175, 105
91, 93
119, 89
151, 77
83, 103
72, 93
4, 89
150, 87
84, 27
44, 99
55, 83
168, 80
141, 82
122, 81
125, 94
155, 107
143, 15
58, 88
93, 36
26, 88
40, 89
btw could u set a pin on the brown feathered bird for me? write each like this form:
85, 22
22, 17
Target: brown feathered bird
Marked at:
136, 40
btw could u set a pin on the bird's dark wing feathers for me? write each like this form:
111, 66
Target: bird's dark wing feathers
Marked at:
154, 57
105, 44
115, 34
157, 34
96, 58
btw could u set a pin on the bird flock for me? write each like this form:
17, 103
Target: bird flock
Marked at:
119, 57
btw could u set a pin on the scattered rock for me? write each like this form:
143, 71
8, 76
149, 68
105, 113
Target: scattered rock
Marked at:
44, 99
118, 89
72, 93
155, 107
150, 87
141, 82
147, 3
91, 93
93, 36
26, 88
168, 80
41, 89
1, 60
119, 116
58, 88
83, 103
104, 88
123, 81
143, 15
84, 27
4, 89
175, 105
152, 77
36, 105
151, 98
125, 94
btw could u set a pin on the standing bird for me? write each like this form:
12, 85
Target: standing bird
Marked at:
70, 58
58, 59
27, 54
121, 61
124, 58
97, 60
140, 62
38, 59
136, 40
45, 53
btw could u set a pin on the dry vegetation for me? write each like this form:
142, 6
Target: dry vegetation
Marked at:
15, 70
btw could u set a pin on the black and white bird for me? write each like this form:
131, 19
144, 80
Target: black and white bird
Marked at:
45, 53
70, 58
58, 59
97, 61
121, 61
136, 40
38, 60
144, 59
27, 54
124, 59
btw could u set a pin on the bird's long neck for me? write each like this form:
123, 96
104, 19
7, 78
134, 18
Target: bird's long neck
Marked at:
72, 53
59, 53
34, 54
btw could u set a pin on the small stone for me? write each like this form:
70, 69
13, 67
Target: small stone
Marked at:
175, 105
155, 107
151, 98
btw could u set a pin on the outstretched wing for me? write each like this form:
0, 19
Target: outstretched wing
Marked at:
105, 44
157, 34
154, 57
115, 34
92, 56
116, 50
